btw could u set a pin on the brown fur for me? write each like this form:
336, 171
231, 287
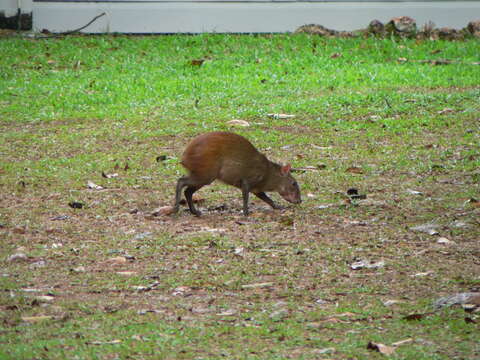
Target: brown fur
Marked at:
233, 160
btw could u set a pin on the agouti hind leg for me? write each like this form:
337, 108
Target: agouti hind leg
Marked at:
192, 186
188, 195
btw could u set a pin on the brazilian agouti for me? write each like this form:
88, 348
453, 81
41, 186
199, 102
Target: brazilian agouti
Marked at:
233, 160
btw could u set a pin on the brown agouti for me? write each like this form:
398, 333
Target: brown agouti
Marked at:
233, 160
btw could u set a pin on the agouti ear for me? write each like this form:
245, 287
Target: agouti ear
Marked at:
285, 169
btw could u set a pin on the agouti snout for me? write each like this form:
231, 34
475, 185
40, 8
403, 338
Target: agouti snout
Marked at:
233, 160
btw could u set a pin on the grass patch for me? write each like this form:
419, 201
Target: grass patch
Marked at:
111, 281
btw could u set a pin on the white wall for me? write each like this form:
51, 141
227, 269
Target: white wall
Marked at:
10, 7
284, 16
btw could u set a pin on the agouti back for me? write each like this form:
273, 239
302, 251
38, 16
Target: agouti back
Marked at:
233, 160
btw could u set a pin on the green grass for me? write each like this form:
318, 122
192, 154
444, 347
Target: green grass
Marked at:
73, 108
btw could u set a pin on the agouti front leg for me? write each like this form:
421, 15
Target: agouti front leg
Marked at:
264, 197
245, 194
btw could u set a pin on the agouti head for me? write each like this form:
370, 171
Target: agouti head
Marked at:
288, 186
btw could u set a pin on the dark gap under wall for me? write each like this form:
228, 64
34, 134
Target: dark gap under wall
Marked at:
22, 21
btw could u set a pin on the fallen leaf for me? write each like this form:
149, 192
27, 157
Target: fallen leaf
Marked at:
117, 260
446, 111
281, 116
458, 299
142, 236
473, 202
306, 168
239, 251
60, 218
334, 320
429, 228
402, 342
381, 348
347, 314
141, 288
38, 264
109, 176
321, 147
287, 221
44, 298
18, 257
145, 311
34, 319
391, 302
335, 55
367, 265
470, 307
228, 312
326, 206
19, 230
445, 241
126, 273
181, 290
92, 185
238, 123
416, 317
103, 342
31, 290
354, 170
257, 285
423, 274
76, 205
212, 230
352, 193
315, 325
197, 62
324, 351
78, 269
163, 211
459, 224
279, 314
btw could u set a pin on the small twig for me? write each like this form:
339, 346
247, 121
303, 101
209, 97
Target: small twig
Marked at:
388, 104
73, 31
441, 62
